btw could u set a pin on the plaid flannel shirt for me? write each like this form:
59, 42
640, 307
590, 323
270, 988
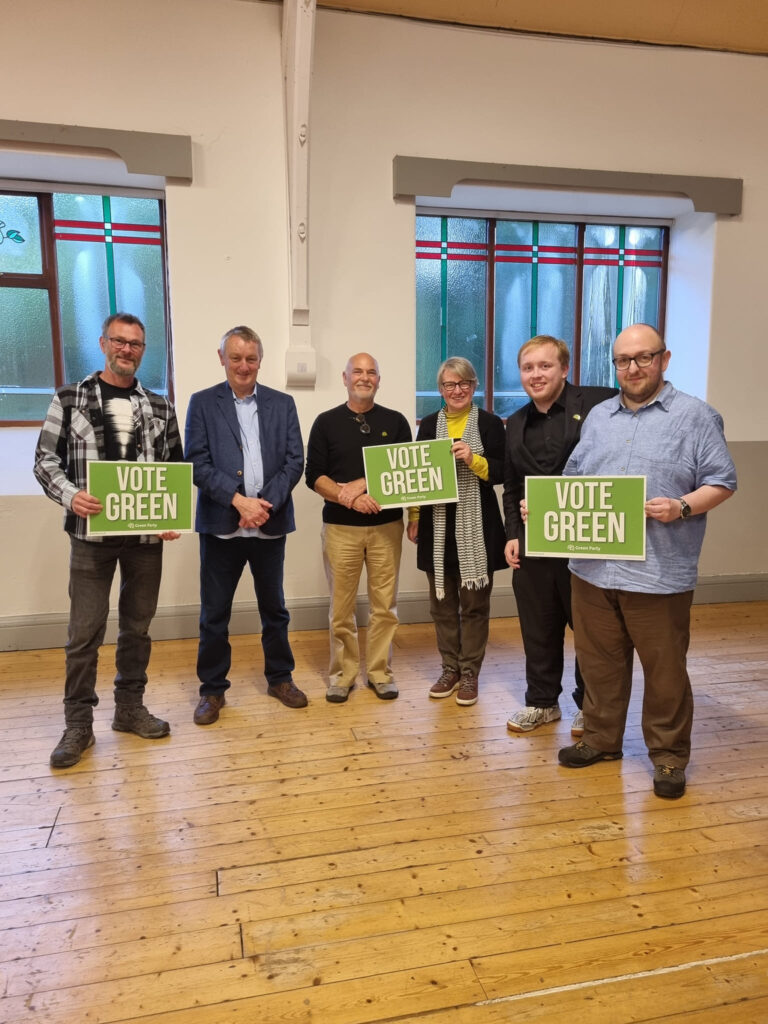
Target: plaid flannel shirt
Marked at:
73, 435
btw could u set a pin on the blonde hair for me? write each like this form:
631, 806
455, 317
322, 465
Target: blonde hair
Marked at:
563, 352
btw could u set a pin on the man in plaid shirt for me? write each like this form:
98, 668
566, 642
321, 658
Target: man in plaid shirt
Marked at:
106, 416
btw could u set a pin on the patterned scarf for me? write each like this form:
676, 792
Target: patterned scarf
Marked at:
473, 560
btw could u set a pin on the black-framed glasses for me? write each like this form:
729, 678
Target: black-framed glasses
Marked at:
134, 346
365, 426
641, 361
463, 385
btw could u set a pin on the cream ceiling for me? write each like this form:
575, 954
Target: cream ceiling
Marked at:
737, 25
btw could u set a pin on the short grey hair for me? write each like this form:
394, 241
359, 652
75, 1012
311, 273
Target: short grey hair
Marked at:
246, 334
122, 318
460, 366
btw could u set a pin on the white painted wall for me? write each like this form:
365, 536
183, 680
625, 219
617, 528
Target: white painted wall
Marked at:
381, 87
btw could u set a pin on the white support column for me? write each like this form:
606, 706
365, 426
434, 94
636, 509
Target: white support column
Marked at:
298, 42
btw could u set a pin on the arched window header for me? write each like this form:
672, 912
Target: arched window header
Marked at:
154, 153
422, 176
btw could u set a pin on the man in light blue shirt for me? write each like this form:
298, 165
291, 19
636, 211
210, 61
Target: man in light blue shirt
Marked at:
677, 442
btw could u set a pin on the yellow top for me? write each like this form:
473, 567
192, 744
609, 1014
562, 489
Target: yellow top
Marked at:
456, 422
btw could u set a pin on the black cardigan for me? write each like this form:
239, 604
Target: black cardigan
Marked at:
491, 431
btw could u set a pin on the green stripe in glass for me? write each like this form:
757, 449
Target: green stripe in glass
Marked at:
620, 284
535, 282
443, 289
106, 205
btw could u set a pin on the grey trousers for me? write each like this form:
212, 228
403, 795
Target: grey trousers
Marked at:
91, 569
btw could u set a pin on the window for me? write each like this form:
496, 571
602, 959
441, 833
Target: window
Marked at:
67, 260
485, 286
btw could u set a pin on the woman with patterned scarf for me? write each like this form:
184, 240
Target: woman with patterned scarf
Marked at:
459, 546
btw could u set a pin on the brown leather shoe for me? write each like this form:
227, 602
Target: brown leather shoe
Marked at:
288, 694
207, 710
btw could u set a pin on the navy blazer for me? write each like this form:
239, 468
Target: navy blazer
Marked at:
518, 461
214, 448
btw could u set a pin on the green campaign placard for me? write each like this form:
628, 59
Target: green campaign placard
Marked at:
413, 473
140, 497
585, 517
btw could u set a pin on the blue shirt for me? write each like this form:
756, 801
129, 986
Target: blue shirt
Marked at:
677, 442
247, 410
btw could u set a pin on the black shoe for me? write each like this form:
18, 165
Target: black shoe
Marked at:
581, 754
70, 747
668, 782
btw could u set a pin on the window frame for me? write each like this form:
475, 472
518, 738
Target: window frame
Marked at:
581, 222
48, 280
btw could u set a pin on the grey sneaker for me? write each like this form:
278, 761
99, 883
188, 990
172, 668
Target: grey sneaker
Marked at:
337, 693
386, 691
135, 718
577, 725
668, 782
70, 747
531, 718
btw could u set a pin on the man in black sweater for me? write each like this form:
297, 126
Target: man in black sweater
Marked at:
357, 532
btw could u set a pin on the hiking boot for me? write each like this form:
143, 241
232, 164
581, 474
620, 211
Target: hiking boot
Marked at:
580, 755
531, 718
577, 725
70, 747
136, 719
386, 691
447, 684
467, 692
668, 782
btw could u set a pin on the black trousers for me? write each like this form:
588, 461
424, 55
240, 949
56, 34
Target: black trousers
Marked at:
542, 589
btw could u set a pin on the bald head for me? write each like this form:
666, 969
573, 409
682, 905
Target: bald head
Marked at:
640, 357
361, 379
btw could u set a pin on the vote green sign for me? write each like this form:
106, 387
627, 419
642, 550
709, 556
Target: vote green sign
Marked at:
585, 517
415, 473
140, 497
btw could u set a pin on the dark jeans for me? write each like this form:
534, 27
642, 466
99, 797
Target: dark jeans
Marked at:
221, 566
542, 589
91, 570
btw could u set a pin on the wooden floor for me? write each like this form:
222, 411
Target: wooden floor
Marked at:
383, 861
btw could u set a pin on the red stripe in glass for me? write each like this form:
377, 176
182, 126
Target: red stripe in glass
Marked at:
69, 236
98, 225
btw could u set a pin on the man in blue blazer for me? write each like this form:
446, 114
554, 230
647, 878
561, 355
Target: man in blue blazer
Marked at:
244, 442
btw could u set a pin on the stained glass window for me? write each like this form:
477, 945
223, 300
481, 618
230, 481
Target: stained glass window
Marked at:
66, 262
485, 286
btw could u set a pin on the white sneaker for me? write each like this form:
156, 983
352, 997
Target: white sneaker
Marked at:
532, 718
577, 725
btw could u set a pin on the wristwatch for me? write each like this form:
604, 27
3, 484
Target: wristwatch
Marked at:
685, 509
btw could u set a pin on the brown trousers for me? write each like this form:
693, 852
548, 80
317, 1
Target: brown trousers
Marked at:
609, 626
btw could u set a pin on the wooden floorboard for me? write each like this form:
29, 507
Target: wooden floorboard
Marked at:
407, 861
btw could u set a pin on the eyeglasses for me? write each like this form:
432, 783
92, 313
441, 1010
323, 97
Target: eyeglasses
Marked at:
463, 385
641, 361
134, 346
365, 427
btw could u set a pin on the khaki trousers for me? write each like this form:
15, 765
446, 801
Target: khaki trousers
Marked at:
346, 550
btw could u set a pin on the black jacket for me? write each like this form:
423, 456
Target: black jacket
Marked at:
518, 461
491, 430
